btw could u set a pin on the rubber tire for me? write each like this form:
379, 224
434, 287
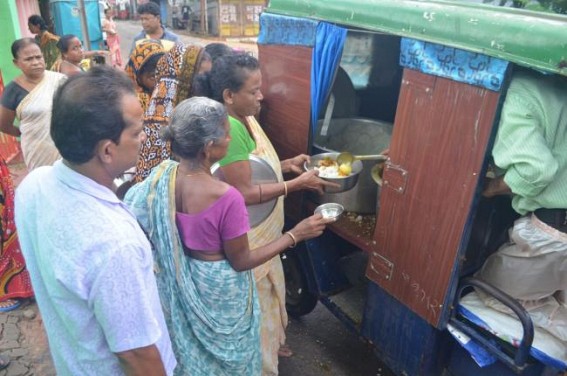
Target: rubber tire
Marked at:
299, 301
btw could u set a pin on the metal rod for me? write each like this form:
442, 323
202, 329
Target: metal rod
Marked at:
84, 24
206, 17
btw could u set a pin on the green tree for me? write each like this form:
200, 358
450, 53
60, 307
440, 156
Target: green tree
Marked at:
554, 6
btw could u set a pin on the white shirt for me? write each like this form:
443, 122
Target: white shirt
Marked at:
92, 272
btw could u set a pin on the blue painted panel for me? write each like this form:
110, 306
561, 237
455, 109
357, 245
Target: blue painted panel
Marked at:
462, 364
449, 62
163, 12
67, 20
403, 340
292, 31
323, 254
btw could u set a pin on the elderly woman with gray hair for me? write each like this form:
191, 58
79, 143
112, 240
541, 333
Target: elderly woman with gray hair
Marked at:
199, 226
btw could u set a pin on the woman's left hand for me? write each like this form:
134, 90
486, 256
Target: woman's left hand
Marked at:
295, 164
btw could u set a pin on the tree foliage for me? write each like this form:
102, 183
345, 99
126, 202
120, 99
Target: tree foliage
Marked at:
554, 6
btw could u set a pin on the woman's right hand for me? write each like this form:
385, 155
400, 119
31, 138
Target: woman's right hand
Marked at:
309, 180
310, 227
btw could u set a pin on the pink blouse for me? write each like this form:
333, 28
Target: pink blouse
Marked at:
225, 219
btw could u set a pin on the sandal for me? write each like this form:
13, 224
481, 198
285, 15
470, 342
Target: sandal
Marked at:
10, 305
285, 351
4, 362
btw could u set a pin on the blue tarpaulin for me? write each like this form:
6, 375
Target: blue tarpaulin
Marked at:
67, 20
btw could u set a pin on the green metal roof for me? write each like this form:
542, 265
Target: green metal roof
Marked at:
528, 38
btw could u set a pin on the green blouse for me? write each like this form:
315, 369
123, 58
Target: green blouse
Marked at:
241, 143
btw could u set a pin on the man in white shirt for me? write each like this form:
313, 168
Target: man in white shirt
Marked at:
90, 263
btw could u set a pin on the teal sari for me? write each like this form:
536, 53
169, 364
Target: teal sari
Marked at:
212, 311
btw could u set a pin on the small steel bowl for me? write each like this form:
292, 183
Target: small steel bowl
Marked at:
330, 210
345, 182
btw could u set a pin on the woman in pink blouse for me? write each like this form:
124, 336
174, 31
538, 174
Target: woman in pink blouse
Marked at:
198, 226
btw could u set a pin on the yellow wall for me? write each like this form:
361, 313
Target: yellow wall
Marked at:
240, 17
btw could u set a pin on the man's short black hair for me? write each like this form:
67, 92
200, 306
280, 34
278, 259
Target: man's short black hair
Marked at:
149, 8
87, 109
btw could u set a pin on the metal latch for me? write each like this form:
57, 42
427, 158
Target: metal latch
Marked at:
380, 265
395, 177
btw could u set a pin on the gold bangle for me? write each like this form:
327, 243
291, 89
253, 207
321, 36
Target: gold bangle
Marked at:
292, 238
260, 189
285, 189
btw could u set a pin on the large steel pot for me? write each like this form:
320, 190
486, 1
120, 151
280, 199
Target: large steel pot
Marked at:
359, 136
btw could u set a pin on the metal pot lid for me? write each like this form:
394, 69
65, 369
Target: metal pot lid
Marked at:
262, 173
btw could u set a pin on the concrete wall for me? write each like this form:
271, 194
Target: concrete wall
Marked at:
10, 32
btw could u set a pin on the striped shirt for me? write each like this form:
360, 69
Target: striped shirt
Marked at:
531, 142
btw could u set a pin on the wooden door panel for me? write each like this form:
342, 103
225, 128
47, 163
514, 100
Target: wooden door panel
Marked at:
286, 82
286, 109
441, 132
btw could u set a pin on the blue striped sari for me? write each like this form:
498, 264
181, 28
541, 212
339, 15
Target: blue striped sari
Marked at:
212, 311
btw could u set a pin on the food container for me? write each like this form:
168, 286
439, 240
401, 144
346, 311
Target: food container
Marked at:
330, 210
262, 173
345, 183
358, 136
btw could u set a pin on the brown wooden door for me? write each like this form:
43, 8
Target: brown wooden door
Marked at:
440, 137
286, 109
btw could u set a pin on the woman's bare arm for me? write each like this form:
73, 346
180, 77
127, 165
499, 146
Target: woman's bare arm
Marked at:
239, 175
7, 118
241, 258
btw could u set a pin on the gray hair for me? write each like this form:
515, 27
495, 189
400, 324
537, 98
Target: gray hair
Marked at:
194, 123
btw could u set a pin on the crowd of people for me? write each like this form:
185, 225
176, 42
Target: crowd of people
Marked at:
175, 280
163, 274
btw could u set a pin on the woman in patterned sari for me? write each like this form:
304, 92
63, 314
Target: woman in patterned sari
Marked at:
175, 75
141, 68
47, 41
235, 81
28, 98
15, 281
198, 227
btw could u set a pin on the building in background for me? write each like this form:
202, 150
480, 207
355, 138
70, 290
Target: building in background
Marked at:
224, 18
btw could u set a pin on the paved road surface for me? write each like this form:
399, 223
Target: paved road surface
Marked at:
128, 29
